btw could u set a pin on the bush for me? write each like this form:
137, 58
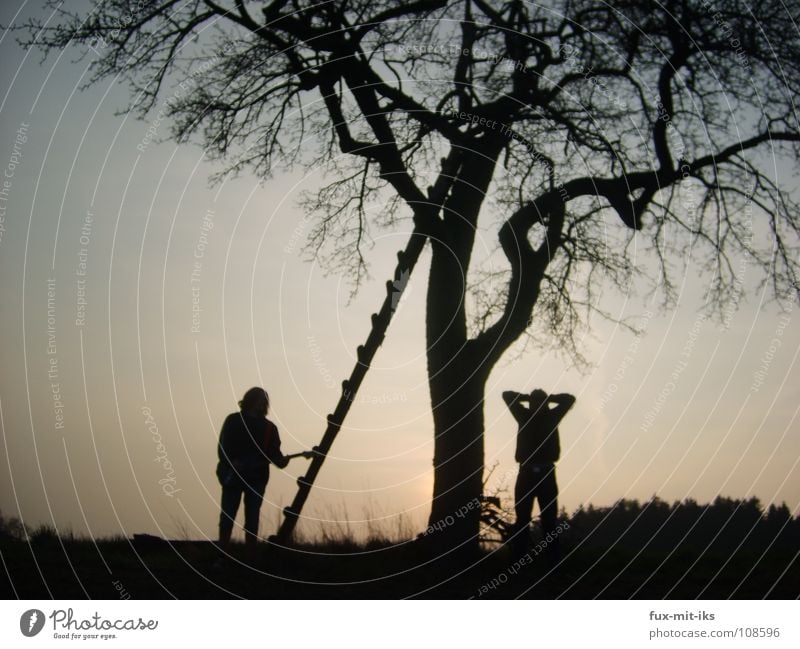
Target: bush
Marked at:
12, 529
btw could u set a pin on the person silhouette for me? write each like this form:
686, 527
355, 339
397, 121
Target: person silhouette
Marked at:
538, 450
248, 443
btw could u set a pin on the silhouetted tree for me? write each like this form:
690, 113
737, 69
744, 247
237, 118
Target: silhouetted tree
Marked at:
602, 133
12, 528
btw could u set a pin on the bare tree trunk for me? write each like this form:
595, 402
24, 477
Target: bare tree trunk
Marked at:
456, 374
457, 397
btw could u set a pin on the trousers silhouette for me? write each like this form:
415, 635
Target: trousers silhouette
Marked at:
537, 482
253, 492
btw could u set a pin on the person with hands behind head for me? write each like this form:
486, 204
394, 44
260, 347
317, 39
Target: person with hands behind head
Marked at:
538, 450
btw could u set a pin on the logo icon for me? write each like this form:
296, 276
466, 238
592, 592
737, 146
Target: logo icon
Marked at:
399, 285
31, 622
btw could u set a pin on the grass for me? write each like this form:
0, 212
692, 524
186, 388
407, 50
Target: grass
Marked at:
650, 550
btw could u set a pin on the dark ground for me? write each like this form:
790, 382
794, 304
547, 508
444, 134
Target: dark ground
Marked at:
729, 549
197, 570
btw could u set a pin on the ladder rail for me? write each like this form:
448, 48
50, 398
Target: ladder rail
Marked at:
406, 260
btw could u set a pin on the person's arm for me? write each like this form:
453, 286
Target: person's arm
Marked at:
563, 402
222, 448
514, 402
274, 447
225, 473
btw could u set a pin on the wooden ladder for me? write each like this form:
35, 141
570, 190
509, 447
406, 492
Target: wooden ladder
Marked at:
406, 260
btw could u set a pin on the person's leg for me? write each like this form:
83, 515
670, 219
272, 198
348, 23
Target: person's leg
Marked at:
523, 506
231, 496
253, 497
547, 493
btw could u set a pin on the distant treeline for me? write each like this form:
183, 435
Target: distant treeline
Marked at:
723, 527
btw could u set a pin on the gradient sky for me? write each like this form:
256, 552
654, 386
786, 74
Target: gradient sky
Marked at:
132, 369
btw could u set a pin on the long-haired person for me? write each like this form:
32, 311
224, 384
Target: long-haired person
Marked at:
248, 443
